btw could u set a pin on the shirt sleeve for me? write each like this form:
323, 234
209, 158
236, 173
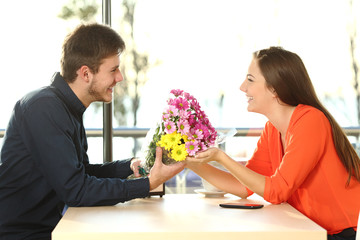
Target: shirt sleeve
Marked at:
305, 140
48, 132
115, 169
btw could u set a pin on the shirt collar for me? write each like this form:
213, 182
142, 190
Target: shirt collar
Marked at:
67, 95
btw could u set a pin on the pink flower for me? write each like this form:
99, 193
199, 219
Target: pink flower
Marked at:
184, 114
205, 121
192, 147
183, 127
181, 104
176, 92
192, 120
195, 105
202, 146
169, 127
199, 126
189, 97
201, 114
165, 116
196, 134
171, 101
212, 137
173, 111
204, 129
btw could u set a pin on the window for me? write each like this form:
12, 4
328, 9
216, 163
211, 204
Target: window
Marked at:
201, 46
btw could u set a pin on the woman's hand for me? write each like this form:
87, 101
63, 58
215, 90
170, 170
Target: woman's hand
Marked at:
211, 154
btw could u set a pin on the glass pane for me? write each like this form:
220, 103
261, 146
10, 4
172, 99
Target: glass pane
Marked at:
200, 46
30, 49
33, 33
204, 47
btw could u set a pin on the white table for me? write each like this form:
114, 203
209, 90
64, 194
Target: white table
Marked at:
185, 217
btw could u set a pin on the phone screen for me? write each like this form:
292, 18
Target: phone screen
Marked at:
241, 205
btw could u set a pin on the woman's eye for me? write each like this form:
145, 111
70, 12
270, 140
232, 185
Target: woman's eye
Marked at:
250, 80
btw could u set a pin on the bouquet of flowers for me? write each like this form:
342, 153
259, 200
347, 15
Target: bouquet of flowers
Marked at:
183, 131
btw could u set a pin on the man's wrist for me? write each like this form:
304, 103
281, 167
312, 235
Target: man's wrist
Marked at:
153, 183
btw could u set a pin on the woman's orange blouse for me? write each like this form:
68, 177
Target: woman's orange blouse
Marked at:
309, 174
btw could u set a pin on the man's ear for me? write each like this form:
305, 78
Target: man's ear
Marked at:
84, 73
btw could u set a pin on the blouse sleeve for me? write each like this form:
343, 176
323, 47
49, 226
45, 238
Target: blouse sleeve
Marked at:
305, 143
260, 161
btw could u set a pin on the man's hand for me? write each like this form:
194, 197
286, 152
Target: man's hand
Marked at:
134, 165
160, 172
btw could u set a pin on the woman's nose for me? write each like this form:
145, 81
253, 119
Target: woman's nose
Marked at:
243, 86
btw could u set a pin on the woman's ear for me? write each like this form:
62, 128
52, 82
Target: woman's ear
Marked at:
273, 92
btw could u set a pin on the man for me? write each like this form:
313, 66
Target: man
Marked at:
44, 164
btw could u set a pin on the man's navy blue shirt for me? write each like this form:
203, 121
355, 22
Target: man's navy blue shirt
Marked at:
44, 165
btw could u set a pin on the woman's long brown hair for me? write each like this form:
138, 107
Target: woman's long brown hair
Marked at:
285, 72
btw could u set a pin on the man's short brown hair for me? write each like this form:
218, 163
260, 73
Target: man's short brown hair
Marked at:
89, 45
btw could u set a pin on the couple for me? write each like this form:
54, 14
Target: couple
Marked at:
303, 157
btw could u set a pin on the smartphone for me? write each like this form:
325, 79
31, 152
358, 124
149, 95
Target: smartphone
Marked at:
241, 205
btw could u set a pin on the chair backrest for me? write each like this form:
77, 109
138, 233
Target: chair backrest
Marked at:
357, 232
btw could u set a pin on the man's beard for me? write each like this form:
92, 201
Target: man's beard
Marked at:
95, 95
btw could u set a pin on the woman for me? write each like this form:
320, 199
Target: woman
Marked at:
302, 157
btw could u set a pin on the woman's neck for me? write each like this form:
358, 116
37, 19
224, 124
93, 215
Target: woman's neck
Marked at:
281, 117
